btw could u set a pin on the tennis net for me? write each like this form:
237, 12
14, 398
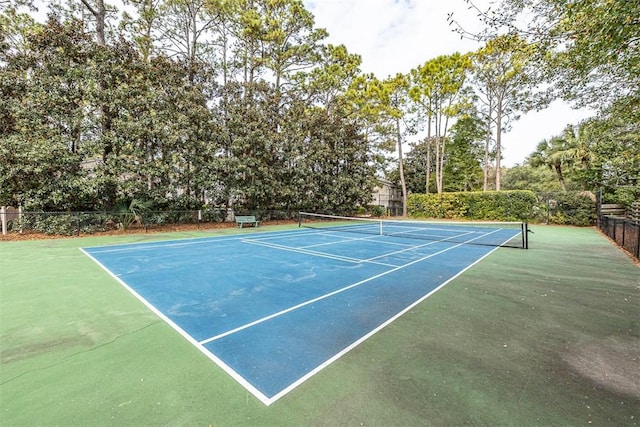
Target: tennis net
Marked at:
486, 233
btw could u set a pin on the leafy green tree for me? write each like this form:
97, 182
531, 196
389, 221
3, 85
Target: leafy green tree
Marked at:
599, 153
41, 139
394, 103
589, 48
143, 27
365, 104
415, 168
527, 177
290, 43
119, 119
607, 150
503, 76
464, 153
333, 169
184, 29
554, 154
437, 88
327, 83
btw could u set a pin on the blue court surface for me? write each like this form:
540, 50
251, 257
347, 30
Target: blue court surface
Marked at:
274, 308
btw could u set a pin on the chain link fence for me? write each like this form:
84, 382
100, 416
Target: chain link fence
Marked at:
82, 223
624, 231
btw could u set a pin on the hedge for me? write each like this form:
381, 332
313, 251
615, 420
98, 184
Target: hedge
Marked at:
570, 208
517, 205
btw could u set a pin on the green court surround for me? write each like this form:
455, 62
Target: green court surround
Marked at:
547, 336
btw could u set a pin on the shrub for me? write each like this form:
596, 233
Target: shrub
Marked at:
570, 208
517, 205
377, 211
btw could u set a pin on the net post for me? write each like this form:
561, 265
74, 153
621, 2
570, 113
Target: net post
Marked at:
380, 222
299, 219
525, 235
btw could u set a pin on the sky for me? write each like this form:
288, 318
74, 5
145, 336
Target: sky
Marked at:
394, 36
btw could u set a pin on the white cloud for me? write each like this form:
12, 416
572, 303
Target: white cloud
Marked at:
394, 36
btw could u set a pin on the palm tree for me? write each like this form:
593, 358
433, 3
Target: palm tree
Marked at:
555, 154
579, 150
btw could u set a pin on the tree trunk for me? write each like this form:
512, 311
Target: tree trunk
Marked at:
498, 141
428, 169
487, 147
558, 169
428, 163
401, 169
100, 14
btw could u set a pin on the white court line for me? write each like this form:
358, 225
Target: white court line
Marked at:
303, 249
314, 253
417, 247
239, 378
335, 234
365, 337
134, 246
407, 247
321, 297
434, 236
352, 239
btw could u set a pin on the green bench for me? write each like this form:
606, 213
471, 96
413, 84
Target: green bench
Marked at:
247, 219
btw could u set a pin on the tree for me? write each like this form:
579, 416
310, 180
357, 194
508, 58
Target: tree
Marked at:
124, 119
415, 167
99, 12
289, 40
590, 49
606, 150
142, 28
395, 102
527, 177
185, 26
503, 80
464, 153
437, 88
326, 84
553, 153
41, 138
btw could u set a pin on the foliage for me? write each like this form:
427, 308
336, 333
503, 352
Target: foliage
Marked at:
570, 208
438, 89
463, 171
588, 53
588, 49
88, 126
131, 212
600, 153
526, 177
623, 195
553, 154
463, 153
486, 205
504, 74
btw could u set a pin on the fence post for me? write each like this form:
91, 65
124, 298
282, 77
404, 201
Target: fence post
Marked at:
637, 240
3, 219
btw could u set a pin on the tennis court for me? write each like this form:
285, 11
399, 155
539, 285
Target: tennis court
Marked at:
272, 309
547, 336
